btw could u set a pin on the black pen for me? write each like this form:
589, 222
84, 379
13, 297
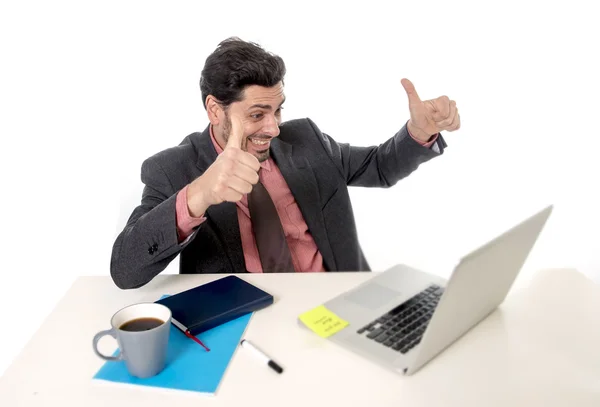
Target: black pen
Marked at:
270, 362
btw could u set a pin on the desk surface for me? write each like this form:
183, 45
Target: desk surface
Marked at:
540, 348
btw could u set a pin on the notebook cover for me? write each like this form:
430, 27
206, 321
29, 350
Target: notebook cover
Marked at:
189, 366
209, 305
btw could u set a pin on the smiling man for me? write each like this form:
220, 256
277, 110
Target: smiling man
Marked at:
254, 194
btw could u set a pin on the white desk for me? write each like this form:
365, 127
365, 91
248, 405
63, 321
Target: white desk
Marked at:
541, 348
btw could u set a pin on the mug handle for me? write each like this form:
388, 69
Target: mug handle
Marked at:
97, 337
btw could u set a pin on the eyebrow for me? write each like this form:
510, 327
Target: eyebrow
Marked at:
267, 107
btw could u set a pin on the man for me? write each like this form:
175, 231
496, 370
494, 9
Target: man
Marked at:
253, 194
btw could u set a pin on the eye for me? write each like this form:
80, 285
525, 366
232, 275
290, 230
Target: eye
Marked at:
256, 116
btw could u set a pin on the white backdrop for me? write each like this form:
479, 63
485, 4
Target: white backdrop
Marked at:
88, 90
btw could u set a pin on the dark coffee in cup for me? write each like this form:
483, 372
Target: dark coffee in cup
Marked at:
141, 324
142, 333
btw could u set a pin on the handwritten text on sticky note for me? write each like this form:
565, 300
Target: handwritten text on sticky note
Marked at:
322, 321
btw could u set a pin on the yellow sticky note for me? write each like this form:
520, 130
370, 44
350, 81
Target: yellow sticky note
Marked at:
322, 321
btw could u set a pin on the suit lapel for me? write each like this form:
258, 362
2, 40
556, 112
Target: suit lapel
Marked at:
301, 180
225, 222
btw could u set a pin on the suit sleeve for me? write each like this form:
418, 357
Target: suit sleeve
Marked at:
149, 241
383, 165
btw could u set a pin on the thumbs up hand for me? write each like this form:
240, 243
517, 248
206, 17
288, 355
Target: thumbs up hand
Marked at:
430, 117
232, 175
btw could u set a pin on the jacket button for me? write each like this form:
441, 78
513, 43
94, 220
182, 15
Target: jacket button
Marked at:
155, 247
150, 250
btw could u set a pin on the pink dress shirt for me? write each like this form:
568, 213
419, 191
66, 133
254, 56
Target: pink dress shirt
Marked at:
305, 254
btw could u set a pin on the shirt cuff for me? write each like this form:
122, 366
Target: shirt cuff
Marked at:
186, 223
425, 144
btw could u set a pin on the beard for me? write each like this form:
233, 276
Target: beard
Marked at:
261, 155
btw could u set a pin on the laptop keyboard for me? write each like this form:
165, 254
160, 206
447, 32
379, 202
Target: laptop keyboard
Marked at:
402, 328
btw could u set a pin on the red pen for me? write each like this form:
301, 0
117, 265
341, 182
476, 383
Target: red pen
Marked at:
189, 335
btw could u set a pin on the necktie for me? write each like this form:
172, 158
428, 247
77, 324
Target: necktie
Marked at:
273, 250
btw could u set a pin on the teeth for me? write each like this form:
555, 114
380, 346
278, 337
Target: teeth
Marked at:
259, 142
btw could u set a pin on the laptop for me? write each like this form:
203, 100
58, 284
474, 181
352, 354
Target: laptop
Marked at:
403, 317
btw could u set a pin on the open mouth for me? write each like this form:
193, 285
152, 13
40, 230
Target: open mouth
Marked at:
260, 142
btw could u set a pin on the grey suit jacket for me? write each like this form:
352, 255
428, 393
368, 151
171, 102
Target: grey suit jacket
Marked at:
318, 171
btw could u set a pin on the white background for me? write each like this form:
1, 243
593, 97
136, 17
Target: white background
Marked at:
90, 89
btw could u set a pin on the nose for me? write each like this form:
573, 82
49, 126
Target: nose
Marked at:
271, 126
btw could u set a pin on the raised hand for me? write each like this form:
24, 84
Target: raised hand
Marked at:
232, 175
430, 117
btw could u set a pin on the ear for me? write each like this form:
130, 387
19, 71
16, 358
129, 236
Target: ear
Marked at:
214, 110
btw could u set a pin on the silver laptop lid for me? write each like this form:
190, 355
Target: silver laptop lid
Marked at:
478, 284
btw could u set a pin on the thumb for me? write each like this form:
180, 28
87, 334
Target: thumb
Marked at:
236, 133
413, 96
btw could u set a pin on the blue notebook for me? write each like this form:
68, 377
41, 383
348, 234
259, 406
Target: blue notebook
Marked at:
189, 366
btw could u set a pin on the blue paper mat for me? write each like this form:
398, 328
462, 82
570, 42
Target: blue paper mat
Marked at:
189, 366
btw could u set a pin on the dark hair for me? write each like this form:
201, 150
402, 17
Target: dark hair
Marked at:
236, 64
